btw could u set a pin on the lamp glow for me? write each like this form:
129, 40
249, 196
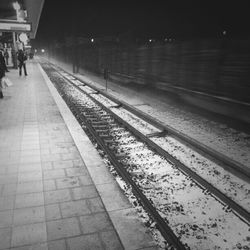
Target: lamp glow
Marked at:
16, 6
23, 38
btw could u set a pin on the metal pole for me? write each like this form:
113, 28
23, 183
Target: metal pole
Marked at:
15, 50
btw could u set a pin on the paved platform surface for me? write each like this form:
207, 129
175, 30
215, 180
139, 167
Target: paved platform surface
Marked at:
55, 192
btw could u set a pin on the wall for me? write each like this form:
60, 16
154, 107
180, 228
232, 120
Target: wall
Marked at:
197, 70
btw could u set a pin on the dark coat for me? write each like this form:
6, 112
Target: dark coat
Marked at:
2, 66
21, 57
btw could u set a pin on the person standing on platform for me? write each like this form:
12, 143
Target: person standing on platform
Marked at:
2, 71
2, 58
22, 58
6, 56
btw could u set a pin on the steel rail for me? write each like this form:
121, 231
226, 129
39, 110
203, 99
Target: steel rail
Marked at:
163, 227
228, 163
240, 211
237, 209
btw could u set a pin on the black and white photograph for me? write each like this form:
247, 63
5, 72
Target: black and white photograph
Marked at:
124, 125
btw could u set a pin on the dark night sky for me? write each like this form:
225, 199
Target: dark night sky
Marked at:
155, 19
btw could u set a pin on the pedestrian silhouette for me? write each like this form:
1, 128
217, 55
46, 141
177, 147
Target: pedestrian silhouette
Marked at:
3, 69
22, 58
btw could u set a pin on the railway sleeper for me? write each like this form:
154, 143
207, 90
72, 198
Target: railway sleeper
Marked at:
106, 137
106, 117
103, 135
98, 124
157, 134
120, 155
116, 106
102, 131
95, 93
100, 127
89, 116
109, 142
112, 147
112, 124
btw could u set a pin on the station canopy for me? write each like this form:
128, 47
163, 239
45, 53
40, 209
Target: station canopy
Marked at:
20, 16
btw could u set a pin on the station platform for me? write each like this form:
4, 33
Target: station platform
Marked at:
55, 191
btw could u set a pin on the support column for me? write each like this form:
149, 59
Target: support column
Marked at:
14, 52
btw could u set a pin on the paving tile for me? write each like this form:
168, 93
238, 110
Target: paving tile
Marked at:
85, 180
30, 176
29, 215
49, 185
76, 171
57, 245
52, 212
74, 208
63, 164
6, 218
32, 133
15, 147
3, 170
29, 187
30, 140
85, 242
70, 156
59, 150
56, 196
52, 174
47, 165
9, 161
8, 178
29, 200
30, 152
112, 196
30, 158
73, 149
79, 163
132, 232
111, 240
84, 192
9, 189
29, 167
30, 147
50, 157
59, 229
12, 169
68, 182
95, 205
45, 145
29, 234
95, 223
45, 151
7, 202
101, 175
5, 238
38, 246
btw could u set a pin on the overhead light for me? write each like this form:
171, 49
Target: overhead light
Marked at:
23, 38
16, 6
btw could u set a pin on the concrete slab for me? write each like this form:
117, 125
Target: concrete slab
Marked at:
55, 190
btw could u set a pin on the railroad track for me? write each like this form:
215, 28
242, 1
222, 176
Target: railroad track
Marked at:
137, 159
